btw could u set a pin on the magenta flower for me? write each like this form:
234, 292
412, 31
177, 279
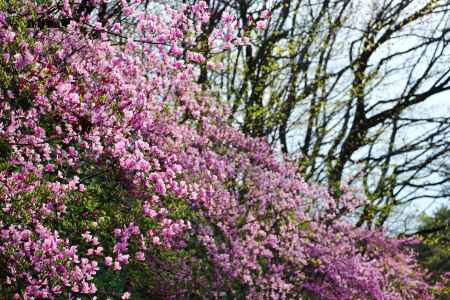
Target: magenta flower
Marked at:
23, 60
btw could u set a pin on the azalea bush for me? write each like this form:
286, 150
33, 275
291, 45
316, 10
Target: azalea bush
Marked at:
121, 178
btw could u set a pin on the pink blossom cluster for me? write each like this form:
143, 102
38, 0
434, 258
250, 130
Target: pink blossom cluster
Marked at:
53, 262
200, 202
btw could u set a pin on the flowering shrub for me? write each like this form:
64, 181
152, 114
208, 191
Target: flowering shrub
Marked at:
119, 176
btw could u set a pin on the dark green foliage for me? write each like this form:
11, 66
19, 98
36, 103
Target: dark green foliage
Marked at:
434, 251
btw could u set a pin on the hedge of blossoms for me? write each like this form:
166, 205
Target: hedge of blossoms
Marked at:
120, 178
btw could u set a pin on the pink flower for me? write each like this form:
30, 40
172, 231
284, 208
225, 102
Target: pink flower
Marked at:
126, 296
140, 256
265, 14
160, 187
108, 261
261, 24
156, 240
116, 28
116, 266
148, 212
99, 251
120, 147
128, 11
49, 167
87, 236
123, 259
6, 57
23, 60
95, 241
8, 36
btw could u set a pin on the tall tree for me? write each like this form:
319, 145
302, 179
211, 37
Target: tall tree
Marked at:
341, 86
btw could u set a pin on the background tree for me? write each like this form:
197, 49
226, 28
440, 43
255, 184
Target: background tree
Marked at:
434, 250
341, 87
